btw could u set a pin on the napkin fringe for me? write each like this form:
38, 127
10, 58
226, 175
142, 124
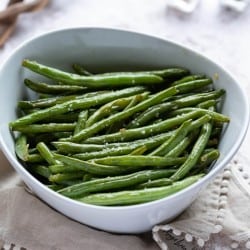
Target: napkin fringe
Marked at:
214, 214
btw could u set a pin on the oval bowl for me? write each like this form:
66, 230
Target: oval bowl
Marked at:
109, 49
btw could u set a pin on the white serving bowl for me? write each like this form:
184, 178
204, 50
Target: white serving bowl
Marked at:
107, 49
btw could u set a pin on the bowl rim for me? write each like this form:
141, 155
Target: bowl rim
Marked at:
19, 167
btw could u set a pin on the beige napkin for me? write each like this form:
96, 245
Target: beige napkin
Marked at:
222, 211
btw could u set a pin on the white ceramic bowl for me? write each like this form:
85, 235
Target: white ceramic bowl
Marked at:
115, 49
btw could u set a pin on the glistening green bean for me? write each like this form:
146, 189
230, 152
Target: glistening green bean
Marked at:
174, 139
73, 105
138, 196
188, 78
195, 154
94, 168
168, 73
81, 121
45, 128
40, 87
215, 115
155, 183
51, 101
140, 161
113, 183
21, 147
46, 153
95, 81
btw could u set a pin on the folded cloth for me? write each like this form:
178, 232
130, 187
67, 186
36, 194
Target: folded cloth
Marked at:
221, 211
26, 223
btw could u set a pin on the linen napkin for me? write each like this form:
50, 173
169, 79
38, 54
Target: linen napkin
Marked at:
221, 211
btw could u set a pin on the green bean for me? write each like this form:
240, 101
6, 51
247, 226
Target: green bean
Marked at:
95, 81
112, 106
173, 140
51, 88
188, 78
169, 73
205, 161
207, 104
45, 102
35, 158
179, 149
140, 161
105, 152
195, 154
70, 147
136, 99
155, 183
60, 178
112, 183
209, 156
46, 153
21, 147
123, 148
40, 170
95, 168
146, 131
86, 133
46, 128
138, 196
81, 121
60, 168
180, 134
51, 101
80, 70
139, 151
164, 73
74, 105
116, 126
215, 115
193, 85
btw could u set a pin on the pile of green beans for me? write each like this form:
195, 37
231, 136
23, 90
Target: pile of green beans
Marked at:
118, 138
